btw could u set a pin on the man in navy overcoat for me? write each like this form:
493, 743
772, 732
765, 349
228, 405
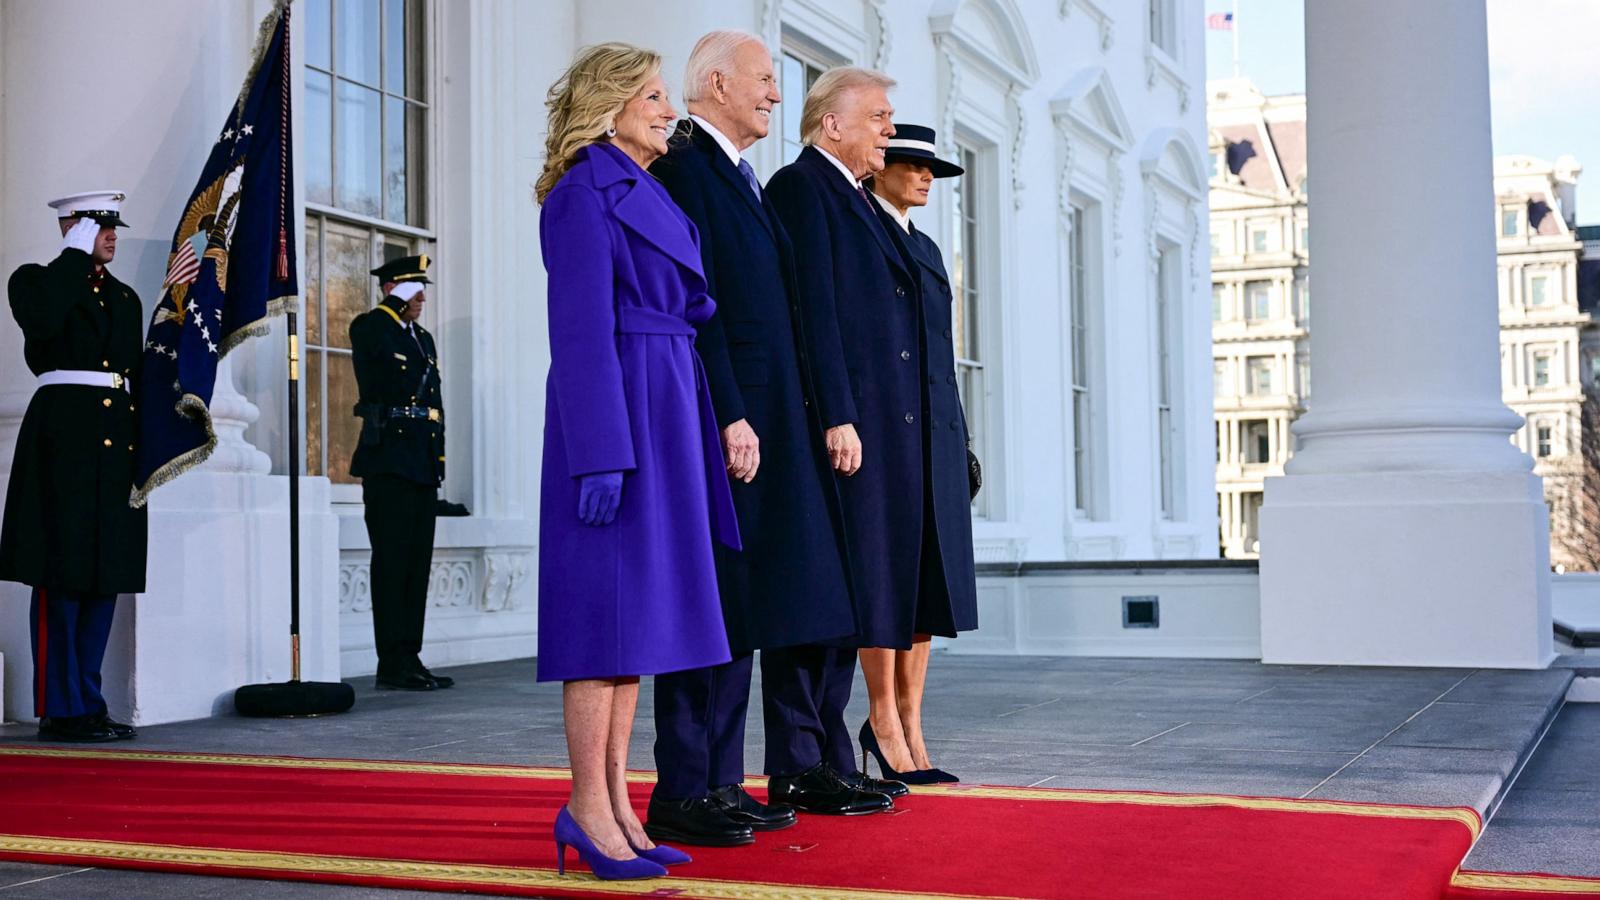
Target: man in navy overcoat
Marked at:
789, 586
859, 306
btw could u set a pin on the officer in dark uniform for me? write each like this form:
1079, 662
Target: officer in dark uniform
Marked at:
68, 530
400, 461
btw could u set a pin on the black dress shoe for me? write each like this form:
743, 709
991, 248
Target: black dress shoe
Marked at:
819, 790
409, 681
439, 681
698, 821
75, 730
861, 782
123, 732
739, 806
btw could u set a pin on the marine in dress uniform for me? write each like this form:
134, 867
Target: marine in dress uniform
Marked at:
400, 461
69, 531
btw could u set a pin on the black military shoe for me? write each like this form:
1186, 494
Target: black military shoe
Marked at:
75, 730
409, 681
698, 821
123, 732
439, 681
739, 806
861, 782
819, 790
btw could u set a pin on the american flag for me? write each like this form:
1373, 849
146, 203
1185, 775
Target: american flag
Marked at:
1220, 21
184, 267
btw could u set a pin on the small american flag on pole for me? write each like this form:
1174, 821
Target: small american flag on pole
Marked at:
1220, 21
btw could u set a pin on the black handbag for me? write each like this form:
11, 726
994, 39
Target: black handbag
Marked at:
974, 475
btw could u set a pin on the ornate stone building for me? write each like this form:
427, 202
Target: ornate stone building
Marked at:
1261, 303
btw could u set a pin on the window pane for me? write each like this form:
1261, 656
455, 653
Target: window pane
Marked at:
357, 33
394, 160
344, 429
311, 381
793, 87
360, 168
319, 22
349, 287
1219, 380
395, 33
318, 138
313, 286
1508, 223
1216, 303
1540, 291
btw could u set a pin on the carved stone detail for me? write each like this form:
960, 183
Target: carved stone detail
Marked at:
504, 573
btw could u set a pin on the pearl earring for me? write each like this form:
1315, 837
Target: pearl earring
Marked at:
611, 132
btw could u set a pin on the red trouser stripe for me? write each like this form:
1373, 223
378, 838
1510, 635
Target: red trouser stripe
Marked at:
41, 671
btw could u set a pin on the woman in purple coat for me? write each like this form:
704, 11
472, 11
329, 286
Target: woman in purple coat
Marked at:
633, 487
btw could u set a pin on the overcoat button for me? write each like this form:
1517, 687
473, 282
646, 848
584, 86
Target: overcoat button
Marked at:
953, 426
947, 332
905, 354
909, 419
899, 291
106, 402
108, 442
950, 378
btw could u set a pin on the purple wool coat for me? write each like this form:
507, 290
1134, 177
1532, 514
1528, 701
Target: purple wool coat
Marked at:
626, 393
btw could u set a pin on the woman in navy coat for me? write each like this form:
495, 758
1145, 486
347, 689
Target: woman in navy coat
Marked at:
946, 597
632, 488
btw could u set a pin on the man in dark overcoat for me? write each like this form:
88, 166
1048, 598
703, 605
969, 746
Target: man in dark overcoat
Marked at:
858, 300
69, 531
400, 461
788, 587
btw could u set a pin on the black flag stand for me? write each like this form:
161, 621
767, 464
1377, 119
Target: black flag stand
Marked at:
293, 697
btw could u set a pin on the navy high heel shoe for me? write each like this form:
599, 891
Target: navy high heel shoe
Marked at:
940, 776
869, 744
604, 867
662, 855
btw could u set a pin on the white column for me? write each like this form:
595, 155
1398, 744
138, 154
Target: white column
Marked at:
1408, 530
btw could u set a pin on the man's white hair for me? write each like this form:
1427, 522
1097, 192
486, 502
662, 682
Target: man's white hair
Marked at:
712, 53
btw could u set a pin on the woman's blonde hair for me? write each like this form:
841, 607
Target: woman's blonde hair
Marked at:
585, 100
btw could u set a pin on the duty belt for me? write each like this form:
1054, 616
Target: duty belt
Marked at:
416, 412
87, 378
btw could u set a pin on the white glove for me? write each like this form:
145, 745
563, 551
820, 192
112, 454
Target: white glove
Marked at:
81, 236
405, 290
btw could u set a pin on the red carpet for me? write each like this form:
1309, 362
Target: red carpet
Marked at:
486, 829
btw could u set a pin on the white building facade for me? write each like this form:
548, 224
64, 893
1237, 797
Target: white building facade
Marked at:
1075, 237
1261, 302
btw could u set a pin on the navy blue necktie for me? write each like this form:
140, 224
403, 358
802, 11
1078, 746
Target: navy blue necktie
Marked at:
750, 176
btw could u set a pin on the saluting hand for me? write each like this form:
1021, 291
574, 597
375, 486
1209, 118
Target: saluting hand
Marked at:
844, 449
742, 449
81, 235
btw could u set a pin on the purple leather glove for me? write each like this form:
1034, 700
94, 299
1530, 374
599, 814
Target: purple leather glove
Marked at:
599, 497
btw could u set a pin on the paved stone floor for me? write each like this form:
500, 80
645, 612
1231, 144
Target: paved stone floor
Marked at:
1421, 736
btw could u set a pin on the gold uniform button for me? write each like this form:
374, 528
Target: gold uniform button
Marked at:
108, 442
105, 363
106, 403
130, 448
97, 290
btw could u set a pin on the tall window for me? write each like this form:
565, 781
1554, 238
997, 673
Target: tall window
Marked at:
364, 134
1258, 375
1257, 441
1543, 436
1541, 368
1082, 407
1221, 378
968, 271
798, 70
1164, 26
1539, 290
1258, 300
1508, 222
1166, 420
1258, 240
1302, 293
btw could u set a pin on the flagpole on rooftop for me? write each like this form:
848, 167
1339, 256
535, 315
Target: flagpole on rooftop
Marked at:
1235, 39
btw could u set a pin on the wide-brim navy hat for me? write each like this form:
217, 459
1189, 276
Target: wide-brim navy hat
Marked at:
916, 144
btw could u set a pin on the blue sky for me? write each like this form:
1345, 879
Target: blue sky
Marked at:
1543, 73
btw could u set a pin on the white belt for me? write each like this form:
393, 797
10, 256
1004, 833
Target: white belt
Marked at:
89, 379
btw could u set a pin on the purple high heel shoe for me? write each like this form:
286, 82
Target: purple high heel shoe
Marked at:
604, 867
663, 855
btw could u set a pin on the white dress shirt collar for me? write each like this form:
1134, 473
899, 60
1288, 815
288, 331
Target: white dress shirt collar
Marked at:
720, 138
903, 218
854, 181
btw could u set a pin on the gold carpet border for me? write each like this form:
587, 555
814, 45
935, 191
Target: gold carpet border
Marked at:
447, 873
1463, 815
1548, 884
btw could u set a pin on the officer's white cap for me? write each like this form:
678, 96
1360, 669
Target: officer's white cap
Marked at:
103, 206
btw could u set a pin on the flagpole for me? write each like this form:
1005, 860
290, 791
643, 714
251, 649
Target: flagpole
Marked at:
1235, 39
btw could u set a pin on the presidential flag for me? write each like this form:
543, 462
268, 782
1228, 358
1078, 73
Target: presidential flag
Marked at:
1220, 21
230, 269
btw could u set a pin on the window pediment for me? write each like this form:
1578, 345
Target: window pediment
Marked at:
992, 33
1088, 103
